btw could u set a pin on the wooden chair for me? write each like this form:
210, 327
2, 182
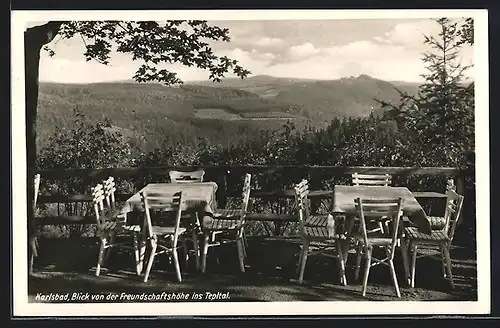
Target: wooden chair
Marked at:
186, 177
370, 210
439, 222
371, 179
121, 229
33, 233
439, 241
193, 232
164, 237
229, 222
381, 180
316, 231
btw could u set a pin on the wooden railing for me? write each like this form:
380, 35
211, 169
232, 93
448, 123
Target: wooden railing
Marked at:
225, 175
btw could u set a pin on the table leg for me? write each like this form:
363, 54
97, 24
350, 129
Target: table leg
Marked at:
142, 247
406, 260
349, 223
404, 252
196, 244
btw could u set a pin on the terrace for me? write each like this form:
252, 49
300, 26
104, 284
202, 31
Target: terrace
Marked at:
68, 248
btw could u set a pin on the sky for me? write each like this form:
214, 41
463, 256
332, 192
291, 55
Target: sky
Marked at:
388, 49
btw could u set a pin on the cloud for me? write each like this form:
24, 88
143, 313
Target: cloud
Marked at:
411, 34
79, 71
394, 54
266, 42
261, 43
384, 61
302, 50
333, 67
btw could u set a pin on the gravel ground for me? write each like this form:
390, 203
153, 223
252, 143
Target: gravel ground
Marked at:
65, 266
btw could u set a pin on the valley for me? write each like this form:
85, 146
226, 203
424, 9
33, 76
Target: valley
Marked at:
150, 114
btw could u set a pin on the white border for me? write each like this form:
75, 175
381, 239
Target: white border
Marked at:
21, 307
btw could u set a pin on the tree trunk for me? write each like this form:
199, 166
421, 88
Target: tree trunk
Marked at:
34, 39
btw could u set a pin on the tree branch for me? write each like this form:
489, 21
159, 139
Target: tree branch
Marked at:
43, 34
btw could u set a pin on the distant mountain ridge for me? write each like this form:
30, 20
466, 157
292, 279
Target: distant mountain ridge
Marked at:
323, 99
152, 110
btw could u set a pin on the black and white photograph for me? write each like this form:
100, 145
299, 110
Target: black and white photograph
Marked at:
284, 162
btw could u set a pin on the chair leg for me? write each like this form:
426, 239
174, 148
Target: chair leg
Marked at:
340, 255
196, 246
33, 253
239, 246
31, 264
368, 265
299, 263
406, 260
413, 264
346, 242
206, 240
100, 257
446, 250
177, 266
393, 272
245, 242
151, 259
186, 251
142, 252
358, 261
138, 268
381, 226
303, 260
213, 239
112, 241
443, 262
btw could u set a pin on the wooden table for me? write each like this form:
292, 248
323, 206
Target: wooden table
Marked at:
344, 196
343, 203
198, 198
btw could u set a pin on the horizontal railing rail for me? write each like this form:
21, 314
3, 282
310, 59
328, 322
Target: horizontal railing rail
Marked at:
222, 174
127, 172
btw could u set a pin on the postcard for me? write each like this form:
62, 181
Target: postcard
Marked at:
250, 162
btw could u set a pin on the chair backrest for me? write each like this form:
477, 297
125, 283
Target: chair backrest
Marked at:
109, 187
450, 185
380, 210
36, 189
98, 203
452, 212
245, 196
186, 177
371, 179
301, 199
162, 202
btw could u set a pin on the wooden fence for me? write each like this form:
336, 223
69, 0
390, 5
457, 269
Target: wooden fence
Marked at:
226, 175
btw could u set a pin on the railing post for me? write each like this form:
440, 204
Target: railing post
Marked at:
315, 184
466, 186
460, 183
222, 189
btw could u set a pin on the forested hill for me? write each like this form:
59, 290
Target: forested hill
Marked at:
235, 109
346, 97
